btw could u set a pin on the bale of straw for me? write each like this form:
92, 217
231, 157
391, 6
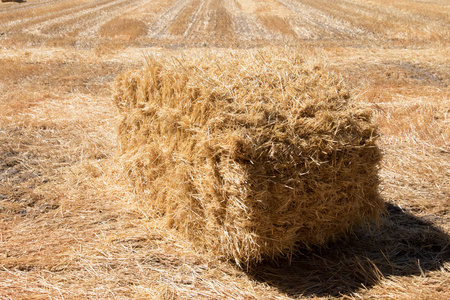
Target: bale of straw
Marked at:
249, 154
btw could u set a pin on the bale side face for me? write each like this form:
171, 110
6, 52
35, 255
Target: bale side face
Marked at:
249, 154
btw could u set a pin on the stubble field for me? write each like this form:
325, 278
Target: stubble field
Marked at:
69, 228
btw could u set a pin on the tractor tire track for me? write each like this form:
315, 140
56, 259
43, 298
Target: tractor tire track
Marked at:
249, 21
321, 24
90, 20
160, 28
29, 14
59, 25
241, 21
212, 21
194, 23
49, 13
219, 21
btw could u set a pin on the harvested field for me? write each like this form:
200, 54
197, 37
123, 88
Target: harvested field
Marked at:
69, 226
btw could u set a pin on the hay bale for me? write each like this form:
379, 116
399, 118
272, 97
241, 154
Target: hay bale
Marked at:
249, 154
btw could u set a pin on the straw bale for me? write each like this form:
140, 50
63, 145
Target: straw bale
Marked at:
250, 154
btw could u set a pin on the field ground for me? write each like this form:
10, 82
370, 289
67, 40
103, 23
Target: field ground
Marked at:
68, 226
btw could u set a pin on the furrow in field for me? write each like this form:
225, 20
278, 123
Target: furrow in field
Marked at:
358, 15
103, 16
323, 25
46, 26
241, 21
201, 20
186, 18
148, 14
88, 19
268, 19
160, 28
193, 26
339, 11
211, 22
413, 21
29, 16
149, 10
220, 21
383, 21
433, 10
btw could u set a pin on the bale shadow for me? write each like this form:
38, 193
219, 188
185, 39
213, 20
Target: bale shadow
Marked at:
403, 245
